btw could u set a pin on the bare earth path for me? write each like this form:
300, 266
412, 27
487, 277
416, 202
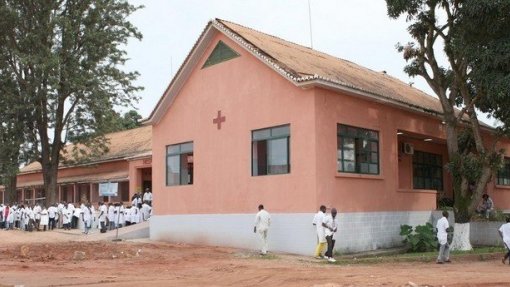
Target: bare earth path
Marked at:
56, 259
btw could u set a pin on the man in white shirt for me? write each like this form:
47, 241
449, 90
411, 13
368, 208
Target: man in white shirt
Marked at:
146, 210
52, 214
331, 227
321, 233
504, 232
262, 223
37, 215
67, 215
147, 196
87, 216
111, 216
102, 216
442, 237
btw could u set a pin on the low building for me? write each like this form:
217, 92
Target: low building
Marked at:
127, 162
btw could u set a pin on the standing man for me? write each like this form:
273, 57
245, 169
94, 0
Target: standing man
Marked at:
102, 216
504, 232
86, 216
37, 215
331, 227
262, 223
52, 214
321, 233
147, 196
442, 237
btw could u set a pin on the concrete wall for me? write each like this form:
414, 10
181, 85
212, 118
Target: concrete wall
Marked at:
486, 233
293, 233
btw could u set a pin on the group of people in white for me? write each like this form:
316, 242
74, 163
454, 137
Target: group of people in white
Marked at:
326, 225
68, 216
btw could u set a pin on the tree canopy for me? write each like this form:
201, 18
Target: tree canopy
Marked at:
64, 62
474, 35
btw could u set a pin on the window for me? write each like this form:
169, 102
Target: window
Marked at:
357, 150
427, 171
221, 53
270, 151
504, 173
179, 164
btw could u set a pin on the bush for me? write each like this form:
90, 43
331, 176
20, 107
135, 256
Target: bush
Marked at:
421, 239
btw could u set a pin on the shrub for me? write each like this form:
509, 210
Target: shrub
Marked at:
421, 239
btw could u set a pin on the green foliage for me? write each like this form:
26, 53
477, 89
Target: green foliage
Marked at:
421, 239
63, 60
473, 35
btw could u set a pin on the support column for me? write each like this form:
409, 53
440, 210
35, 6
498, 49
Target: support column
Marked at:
33, 195
59, 198
74, 193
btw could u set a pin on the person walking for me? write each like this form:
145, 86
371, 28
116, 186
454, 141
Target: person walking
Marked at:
442, 237
504, 232
331, 227
262, 223
321, 233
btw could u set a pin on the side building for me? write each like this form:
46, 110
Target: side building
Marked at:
127, 162
255, 119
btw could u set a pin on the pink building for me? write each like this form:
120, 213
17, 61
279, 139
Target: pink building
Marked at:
250, 118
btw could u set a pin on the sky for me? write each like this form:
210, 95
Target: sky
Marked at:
356, 30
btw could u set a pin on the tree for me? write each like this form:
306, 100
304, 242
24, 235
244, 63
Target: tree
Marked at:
64, 58
475, 38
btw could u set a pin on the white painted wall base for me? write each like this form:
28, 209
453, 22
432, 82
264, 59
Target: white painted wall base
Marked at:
292, 233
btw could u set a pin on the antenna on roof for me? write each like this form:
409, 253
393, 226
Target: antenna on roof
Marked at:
310, 21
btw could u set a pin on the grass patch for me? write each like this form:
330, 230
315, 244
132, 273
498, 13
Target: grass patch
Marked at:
478, 253
269, 256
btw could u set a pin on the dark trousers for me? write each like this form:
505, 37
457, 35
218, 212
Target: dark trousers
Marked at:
331, 245
51, 223
74, 222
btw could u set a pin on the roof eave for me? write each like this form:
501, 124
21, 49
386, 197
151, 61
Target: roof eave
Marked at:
365, 95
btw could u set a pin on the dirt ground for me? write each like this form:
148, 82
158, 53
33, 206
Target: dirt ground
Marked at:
60, 258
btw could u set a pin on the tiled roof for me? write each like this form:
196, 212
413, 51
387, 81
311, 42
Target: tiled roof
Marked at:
302, 64
86, 178
121, 145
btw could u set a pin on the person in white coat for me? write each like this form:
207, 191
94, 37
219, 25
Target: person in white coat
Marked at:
442, 237
318, 221
331, 222
146, 211
67, 216
45, 219
262, 223
103, 211
87, 214
504, 232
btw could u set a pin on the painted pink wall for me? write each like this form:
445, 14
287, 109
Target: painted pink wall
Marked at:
500, 193
356, 192
251, 96
135, 174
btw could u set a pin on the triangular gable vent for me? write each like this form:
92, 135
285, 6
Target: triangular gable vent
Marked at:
221, 53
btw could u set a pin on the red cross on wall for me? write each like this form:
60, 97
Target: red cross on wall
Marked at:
218, 120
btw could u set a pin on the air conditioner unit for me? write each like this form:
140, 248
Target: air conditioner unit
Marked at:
407, 148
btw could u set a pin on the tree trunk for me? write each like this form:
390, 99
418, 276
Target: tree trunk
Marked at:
461, 236
10, 189
50, 174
